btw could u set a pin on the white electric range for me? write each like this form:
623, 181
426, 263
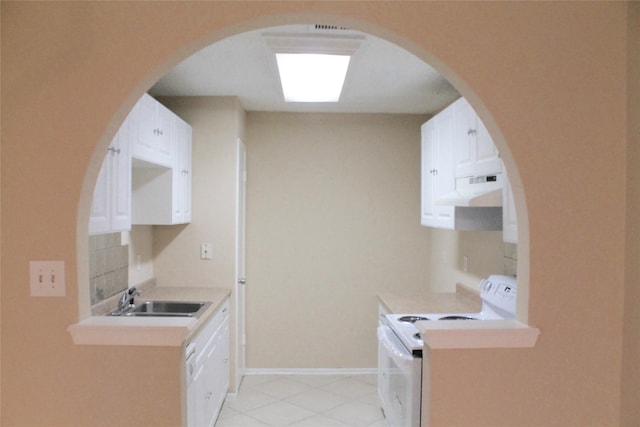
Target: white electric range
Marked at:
400, 349
498, 294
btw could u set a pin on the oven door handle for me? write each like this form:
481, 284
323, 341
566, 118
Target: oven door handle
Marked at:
396, 350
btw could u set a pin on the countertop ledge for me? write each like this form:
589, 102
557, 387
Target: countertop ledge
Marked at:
477, 334
149, 331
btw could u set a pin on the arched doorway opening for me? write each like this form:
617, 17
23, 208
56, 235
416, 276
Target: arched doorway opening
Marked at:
450, 76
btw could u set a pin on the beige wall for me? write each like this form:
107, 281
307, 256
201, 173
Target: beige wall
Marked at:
333, 204
140, 240
550, 80
177, 260
631, 354
485, 254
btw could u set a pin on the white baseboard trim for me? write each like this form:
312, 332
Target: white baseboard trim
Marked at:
311, 371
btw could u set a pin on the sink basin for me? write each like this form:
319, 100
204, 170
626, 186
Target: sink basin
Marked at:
164, 309
168, 307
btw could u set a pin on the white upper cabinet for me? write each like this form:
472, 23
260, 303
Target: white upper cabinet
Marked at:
182, 173
111, 208
437, 169
454, 142
161, 180
152, 132
475, 152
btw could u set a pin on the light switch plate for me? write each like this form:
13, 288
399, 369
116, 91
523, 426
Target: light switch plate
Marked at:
46, 278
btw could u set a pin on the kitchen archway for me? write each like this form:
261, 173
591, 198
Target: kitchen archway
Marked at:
460, 84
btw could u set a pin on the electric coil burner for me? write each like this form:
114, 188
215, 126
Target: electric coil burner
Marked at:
498, 294
412, 319
458, 318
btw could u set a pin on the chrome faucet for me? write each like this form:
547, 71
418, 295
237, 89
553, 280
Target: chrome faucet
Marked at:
126, 300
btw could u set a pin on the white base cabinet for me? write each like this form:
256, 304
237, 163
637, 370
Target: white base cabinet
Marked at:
207, 370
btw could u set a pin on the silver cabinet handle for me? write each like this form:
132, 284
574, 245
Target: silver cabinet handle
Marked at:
114, 150
242, 281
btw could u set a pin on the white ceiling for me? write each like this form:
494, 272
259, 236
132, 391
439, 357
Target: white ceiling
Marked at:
382, 77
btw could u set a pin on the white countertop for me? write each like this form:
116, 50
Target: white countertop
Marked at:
149, 331
477, 334
463, 300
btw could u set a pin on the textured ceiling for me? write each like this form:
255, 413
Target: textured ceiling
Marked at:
382, 77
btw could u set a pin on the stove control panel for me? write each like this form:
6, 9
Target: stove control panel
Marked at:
499, 292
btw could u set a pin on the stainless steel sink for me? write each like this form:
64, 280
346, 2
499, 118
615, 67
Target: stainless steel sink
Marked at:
164, 309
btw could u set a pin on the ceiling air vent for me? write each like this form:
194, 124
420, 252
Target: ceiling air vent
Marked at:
330, 27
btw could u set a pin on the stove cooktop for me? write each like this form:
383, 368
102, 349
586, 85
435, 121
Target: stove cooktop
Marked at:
498, 295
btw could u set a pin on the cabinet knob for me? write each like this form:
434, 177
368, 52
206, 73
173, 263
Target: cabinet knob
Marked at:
114, 150
242, 281
471, 132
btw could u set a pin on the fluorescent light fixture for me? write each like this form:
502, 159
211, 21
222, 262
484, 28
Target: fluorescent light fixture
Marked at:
312, 77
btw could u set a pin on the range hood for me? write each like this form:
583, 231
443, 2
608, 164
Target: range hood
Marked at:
475, 191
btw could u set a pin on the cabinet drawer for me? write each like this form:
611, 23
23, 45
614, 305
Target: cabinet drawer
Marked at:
203, 335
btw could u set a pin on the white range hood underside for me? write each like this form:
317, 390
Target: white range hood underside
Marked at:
483, 191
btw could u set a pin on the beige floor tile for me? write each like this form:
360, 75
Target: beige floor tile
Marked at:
349, 387
356, 414
319, 421
304, 401
249, 381
240, 420
372, 398
280, 414
250, 399
316, 380
281, 388
227, 411
317, 400
371, 379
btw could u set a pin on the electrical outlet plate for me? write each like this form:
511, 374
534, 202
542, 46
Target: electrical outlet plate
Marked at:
46, 278
205, 251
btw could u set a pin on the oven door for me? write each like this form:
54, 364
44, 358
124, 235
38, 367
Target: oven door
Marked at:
399, 380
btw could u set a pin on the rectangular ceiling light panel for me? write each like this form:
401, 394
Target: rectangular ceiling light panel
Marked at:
312, 77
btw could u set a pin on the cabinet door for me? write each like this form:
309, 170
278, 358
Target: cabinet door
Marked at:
100, 218
165, 130
427, 214
465, 150
221, 360
182, 173
445, 180
111, 208
152, 138
121, 181
475, 152
487, 156
144, 128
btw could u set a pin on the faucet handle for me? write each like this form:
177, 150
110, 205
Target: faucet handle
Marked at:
133, 291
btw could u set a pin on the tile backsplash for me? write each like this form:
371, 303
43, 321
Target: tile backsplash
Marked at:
108, 266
